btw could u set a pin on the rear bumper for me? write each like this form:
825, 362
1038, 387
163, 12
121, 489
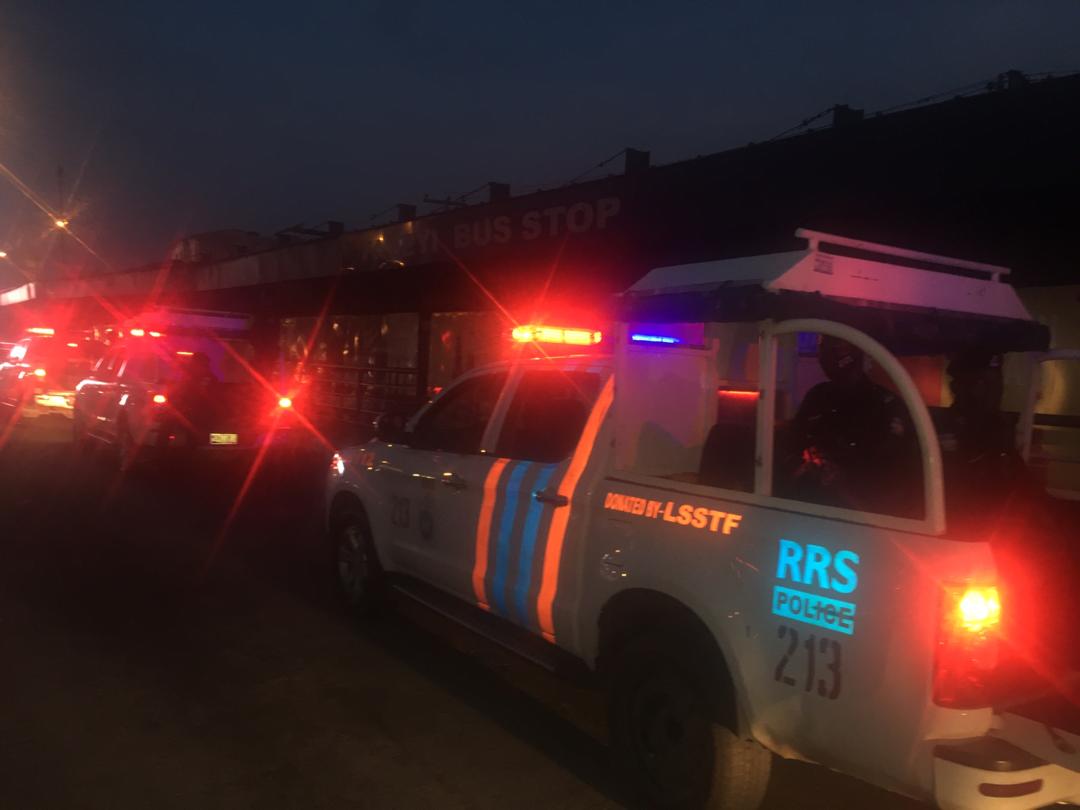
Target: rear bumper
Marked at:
57, 403
182, 443
990, 772
48, 403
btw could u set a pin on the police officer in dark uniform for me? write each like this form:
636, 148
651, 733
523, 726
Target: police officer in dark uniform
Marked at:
978, 444
851, 443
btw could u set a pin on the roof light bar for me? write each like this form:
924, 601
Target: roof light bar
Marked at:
536, 333
41, 330
137, 332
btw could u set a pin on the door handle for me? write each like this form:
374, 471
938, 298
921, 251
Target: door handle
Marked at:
549, 497
453, 480
611, 565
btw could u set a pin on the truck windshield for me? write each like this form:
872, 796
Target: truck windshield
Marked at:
179, 358
65, 361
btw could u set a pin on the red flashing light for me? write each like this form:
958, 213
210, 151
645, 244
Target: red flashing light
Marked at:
570, 336
182, 353
284, 402
967, 646
41, 330
160, 399
73, 345
734, 393
39, 372
979, 609
137, 332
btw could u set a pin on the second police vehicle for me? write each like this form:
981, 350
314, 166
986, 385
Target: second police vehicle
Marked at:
771, 521
38, 374
177, 382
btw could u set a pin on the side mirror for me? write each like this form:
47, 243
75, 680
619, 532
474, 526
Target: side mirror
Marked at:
390, 428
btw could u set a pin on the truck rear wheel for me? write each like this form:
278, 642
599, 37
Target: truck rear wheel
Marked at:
667, 746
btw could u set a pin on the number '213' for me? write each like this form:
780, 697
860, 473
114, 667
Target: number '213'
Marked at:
828, 650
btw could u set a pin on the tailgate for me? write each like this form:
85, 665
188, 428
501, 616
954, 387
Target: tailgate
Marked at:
222, 409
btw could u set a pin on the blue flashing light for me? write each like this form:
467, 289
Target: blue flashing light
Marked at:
666, 339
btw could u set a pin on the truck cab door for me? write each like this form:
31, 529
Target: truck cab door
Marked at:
435, 483
544, 443
96, 394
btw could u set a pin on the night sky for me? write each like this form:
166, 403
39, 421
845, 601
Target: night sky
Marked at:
176, 118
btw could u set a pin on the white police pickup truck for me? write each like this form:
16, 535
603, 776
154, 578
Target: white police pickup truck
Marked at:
741, 516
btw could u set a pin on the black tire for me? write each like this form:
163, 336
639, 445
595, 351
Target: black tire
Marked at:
358, 574
665, 741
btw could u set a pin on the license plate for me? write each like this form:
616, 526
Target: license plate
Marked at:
223, 438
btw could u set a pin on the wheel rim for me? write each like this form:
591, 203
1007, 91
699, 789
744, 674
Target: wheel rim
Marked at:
670, 735
352, 562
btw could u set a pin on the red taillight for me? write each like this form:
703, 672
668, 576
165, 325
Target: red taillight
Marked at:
284, 402
160, 399
979, 609
967, 646
39, 372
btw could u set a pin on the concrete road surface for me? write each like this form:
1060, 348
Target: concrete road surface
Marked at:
158, 653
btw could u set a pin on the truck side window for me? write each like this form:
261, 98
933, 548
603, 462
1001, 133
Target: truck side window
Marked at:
547, 415
141, 368
456, 422
849, 440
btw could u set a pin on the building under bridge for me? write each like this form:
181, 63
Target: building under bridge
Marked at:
382, 316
